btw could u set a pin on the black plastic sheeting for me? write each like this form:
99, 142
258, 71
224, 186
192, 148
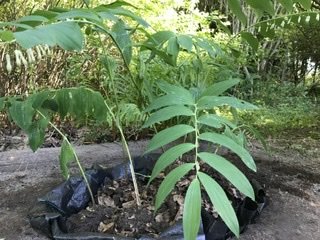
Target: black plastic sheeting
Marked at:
50, 214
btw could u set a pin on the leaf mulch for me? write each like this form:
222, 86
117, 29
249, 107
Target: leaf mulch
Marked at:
117, 212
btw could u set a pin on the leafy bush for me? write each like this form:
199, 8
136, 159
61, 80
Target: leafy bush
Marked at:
283, 107
275, 121
274, 94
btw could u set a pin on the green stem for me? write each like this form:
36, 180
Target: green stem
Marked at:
196, 130
111, 78
134, 180
103, 29
75, 156
123, 139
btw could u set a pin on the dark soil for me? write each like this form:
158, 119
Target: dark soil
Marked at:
117, 211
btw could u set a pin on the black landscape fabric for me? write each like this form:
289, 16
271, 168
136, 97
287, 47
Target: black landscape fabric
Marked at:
50, 214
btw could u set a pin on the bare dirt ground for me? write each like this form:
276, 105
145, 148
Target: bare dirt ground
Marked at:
290, 174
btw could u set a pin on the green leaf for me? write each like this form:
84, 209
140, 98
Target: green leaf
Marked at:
235, 6
64, 102
81, 103
167, 113
229, 171
66, 156
222, 26
50, 104
47, 14
122, 37
21, 113
167, 58
14, 24
110, 10
169, 156
258, 136
59, 9
262, 5
127, 13
87, 2
220, 87
306, 4
38, 99
185, 42
98, 107
192, 211
6, 36
237, 138
213, 120
32, 18
287, 4
220, 202
169, 99
169, 182
208, 102
232, 145
159, 38
168, 135
79, 13
67, 35
119, 3
265, 30
235, 52
155, 43
173, 47
207, 46
108, 16
175, 89
110, 65
36, 133
251, 40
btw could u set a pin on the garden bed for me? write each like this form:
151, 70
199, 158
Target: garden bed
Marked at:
291, 177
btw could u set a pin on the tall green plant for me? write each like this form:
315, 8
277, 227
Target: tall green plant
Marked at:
62, 27
204, 125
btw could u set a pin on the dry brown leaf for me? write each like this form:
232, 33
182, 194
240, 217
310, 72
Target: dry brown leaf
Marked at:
184, 182
128, 204
151, 208
115, 184
105, 227
163, 217
106, 201
178, 199
159, 218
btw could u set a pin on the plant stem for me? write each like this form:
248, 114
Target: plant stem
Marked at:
75, 156
111, 35
123, 139
196, 130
